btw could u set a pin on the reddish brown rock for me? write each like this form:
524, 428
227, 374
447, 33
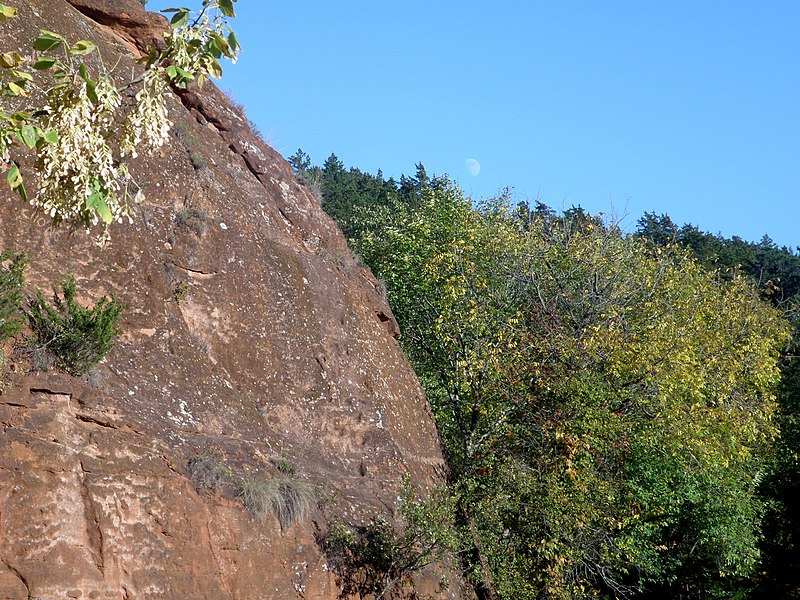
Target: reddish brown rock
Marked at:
249, 332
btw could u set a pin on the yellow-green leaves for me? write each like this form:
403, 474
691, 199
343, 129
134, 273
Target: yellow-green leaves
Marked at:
13, 77
82, 47
196, 47
49, 41
10, 60
7, 12
622, 396
14, 177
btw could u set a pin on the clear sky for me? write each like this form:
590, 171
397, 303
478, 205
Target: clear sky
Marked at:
688, 108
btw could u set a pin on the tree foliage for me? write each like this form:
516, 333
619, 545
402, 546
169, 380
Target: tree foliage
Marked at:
776, 271
80, 154
358, 201
606, 408
379, 559
606, 403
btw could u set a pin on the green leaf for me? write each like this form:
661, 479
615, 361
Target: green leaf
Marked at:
104, 212
22, 192
180, 18
222, 44
233, 43
16, 89
7, 12
84, 73
10, 60
214, 69
14, 177
91, 92
48, 41
226, 7
28, 135
97, 203
51, 135
91, 86
21, 75
82, 47
44, 62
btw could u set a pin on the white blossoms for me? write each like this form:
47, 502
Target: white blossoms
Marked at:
88, 127
148, 120
80, 181
78, 177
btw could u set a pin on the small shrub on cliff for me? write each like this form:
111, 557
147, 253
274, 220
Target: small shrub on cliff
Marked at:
12, 268
208, 471
289, 499
379, 560
78, 337
192, 219
284, 465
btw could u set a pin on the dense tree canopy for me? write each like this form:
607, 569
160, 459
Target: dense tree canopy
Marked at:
606, 406
606, 401
777, 273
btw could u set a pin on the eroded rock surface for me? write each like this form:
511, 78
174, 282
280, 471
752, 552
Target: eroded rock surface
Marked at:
250, 333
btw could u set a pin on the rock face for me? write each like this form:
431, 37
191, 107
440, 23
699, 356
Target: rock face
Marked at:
250, 338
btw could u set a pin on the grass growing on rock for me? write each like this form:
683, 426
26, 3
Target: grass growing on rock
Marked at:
289, 499
208, 471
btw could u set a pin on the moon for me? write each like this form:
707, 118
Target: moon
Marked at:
473, 166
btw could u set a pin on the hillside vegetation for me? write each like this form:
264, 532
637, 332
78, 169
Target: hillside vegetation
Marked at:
618, 410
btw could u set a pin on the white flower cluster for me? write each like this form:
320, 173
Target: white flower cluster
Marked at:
188, 45
82, 181
184, 42
79, 167
148, 120
6, 140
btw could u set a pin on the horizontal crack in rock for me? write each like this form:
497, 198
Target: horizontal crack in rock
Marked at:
49, 392
198, 271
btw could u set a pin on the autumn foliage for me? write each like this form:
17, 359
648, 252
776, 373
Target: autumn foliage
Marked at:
606, 405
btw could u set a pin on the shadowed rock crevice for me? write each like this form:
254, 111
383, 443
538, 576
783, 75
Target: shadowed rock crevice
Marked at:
19, 578
94, 534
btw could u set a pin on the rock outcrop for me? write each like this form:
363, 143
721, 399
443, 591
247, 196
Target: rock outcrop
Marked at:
251, 337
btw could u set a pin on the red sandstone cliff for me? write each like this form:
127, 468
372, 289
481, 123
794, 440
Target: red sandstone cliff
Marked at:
249, 332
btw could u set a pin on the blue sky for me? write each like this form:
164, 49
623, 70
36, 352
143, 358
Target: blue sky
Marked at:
688, 108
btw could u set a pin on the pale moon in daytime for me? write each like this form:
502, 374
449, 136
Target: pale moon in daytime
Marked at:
473, 166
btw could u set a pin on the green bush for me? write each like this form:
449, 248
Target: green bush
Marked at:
380, 560
284, 465
78, 337
289, 499
11, 282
